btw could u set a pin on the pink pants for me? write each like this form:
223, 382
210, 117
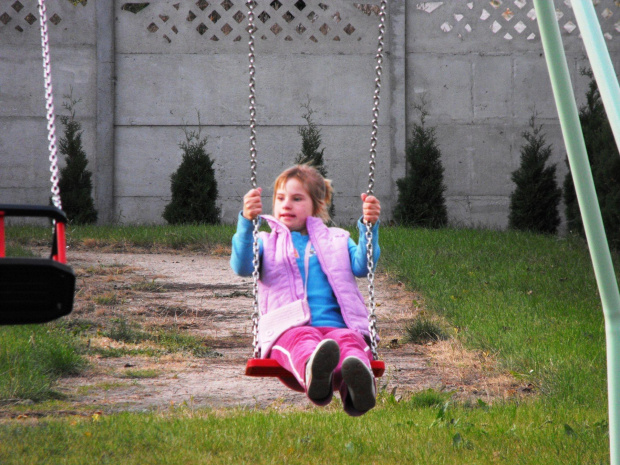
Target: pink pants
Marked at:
293, 349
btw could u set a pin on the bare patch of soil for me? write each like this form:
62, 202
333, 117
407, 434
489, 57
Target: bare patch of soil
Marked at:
198, 294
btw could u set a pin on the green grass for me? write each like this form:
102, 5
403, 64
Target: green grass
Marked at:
174, 340
199, 237
148, 286
18, 251
140, 374
167, 340
31, 359
529, 300
393, 434
124, 331
108, 299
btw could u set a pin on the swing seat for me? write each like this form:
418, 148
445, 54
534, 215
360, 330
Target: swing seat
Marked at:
35, 290
266, 367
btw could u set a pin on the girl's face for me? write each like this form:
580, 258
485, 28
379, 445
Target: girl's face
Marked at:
293, 205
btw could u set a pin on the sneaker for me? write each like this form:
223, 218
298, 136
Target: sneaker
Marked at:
320, 369
360, 382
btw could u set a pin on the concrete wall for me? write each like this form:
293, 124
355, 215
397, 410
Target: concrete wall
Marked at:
24, 165
187, 62
144, 75
480, 67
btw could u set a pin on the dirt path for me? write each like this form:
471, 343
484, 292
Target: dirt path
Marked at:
199, 294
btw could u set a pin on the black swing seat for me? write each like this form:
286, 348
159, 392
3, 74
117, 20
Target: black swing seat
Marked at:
35, 290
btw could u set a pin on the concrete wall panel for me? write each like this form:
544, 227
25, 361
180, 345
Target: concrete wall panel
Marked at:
167, 89
445, 84
492, 87
478, 211
22, 90
24, 158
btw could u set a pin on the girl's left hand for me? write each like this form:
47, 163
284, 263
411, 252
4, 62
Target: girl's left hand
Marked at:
371, 208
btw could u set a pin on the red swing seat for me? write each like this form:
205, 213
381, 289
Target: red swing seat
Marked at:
266, 367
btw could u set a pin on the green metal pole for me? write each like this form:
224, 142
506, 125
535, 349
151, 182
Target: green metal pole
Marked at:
600, 61
588, 204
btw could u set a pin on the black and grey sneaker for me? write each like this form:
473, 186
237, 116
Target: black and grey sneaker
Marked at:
320, 369
360, 382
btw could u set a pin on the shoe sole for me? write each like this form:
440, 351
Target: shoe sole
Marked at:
360, 381
324, 361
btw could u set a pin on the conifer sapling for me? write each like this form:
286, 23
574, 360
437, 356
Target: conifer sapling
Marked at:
535, 200
193, 184
75, 181
421, 199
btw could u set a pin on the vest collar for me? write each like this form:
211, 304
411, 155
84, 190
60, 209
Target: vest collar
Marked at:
312, 224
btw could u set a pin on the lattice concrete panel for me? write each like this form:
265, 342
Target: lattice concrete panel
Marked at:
513, 19
67, 23
23, 15
215, 25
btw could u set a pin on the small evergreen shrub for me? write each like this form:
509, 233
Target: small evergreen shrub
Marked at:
605, 164
75, 181
193, 185
421, 199
534, 202
311, 151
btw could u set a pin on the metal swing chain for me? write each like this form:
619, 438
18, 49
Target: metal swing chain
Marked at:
49, 106
372, 318
256, 221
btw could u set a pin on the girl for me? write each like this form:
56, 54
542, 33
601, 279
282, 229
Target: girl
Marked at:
313, 318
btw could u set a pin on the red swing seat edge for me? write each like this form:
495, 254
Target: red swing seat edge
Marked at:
266, 367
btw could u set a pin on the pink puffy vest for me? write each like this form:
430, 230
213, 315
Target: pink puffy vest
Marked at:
280, 280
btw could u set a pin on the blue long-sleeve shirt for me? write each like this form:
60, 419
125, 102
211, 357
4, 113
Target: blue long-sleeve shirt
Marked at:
324, 308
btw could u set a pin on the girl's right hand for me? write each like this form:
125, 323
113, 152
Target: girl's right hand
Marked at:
252, 204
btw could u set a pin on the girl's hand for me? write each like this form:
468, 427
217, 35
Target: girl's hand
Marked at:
371, 208
252, 204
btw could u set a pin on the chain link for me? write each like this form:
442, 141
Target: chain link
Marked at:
255, 274
372, 306
376, 98
372, 317
49, 106
255, 248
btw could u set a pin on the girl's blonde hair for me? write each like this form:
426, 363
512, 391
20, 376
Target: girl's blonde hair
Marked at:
319, 188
